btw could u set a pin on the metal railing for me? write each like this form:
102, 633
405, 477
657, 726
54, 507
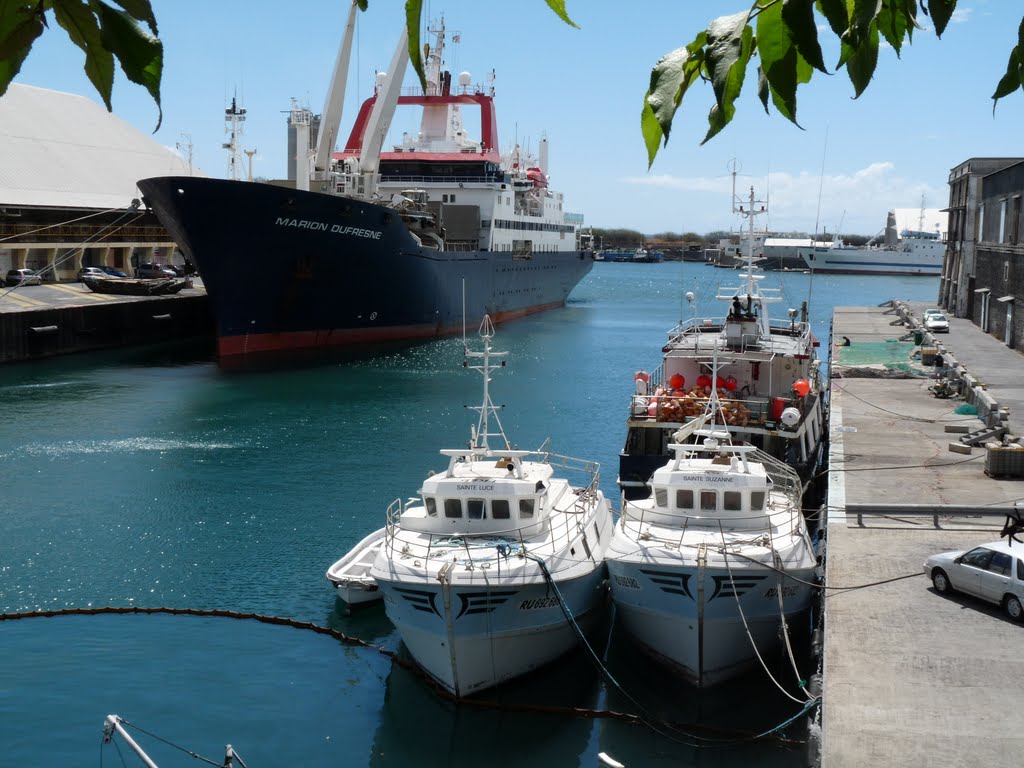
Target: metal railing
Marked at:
490, 545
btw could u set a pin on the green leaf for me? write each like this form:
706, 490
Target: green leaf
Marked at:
1012, 80
140, 10
19, 28
778, 59
558, 6
763, 89
798, 16
941, 12
671, 77
413, 13
1014, 77
893, 25
730, 44
837, 13
79, 22
860, 66
650, 128
140, 54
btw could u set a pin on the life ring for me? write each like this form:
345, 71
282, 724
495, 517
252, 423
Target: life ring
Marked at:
642, 376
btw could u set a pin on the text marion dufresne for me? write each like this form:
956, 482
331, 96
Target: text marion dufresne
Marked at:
323, 226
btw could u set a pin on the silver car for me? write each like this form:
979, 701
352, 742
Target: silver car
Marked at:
993, 572
24, 277
936, 322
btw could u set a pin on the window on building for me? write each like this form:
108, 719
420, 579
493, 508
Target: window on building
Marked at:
1002, 222
1015, 229
980, 235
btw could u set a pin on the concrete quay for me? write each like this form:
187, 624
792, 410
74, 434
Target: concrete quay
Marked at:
38, 321
910, 677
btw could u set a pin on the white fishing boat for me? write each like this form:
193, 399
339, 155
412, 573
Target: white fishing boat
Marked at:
768, 379
351, 574
498, 564
711, 569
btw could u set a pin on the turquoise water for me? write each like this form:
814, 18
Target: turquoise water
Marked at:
151, 478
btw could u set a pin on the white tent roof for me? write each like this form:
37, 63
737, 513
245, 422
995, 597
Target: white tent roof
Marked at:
62, 150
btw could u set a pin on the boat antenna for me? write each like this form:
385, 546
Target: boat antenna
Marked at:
487, 409
748, 209
817, 215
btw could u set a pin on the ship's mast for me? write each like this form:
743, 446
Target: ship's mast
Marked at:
234, 128
750, 209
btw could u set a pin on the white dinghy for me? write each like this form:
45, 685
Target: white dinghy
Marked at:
351, 574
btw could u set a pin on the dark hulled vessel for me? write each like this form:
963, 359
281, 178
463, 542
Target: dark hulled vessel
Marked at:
407, 244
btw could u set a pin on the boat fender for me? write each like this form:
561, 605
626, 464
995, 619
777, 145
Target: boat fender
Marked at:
817, 643
790, 416
814, 684
605, 759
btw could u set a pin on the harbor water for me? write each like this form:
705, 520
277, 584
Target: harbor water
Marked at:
151, 478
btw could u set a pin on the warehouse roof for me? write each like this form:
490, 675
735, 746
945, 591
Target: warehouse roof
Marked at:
65, 151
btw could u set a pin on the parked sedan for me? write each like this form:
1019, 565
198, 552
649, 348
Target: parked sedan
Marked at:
90, 272
155, 270
114, 272
24, 277
993, 572
936, 322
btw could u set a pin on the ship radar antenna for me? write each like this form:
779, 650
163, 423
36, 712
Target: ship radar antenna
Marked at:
249, 153
234, 128
487, 410
185, 145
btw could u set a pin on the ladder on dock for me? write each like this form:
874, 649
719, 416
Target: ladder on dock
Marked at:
983, 435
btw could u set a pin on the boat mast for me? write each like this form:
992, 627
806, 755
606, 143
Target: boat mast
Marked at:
330, 120
486, 409
751, 209
234, 127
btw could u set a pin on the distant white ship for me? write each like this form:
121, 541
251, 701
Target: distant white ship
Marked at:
915, 252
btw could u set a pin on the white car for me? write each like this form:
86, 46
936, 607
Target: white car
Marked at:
993, 572
936, 322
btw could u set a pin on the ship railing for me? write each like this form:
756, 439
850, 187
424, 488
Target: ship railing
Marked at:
577, 496
391, 178
782, 510
694, 328
739, 413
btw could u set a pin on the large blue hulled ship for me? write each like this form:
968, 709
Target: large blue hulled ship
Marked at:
371, 246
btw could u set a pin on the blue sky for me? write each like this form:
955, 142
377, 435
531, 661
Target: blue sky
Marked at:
583, 88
